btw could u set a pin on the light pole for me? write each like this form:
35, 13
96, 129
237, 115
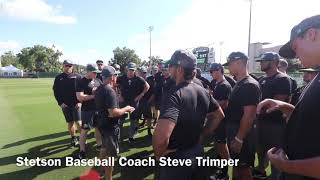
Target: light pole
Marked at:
150, 29
221, 43
249, 38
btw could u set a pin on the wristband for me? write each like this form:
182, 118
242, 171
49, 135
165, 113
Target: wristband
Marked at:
239, 140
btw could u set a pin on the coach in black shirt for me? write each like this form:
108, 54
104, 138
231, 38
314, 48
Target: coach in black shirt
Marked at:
86, 88
221, 92
271, 127
240, 115
181, 123
132, 90
108, 116
300, 158
65, 93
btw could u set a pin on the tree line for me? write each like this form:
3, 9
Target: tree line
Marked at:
39, 58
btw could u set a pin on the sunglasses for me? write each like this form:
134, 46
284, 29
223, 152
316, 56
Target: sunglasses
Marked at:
67, 66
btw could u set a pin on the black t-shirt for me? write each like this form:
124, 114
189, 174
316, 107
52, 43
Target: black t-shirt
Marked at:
150, 81
106, 98
158, 85
296, 94
302, 132
245, 93
86, 86
64, 89
231, 80
187, 105
130, 88
294, 84
205, 82
222, 90
99, 76
278, 84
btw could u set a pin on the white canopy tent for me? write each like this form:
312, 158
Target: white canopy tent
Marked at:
10, 71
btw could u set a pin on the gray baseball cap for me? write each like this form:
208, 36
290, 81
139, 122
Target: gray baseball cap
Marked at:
132, 66
183, 58
235, 56
92, 68
286, 50
108, 71
143, 69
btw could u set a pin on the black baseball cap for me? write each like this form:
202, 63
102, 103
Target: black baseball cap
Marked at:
92, 68
108, 71
183, 58
268, 56
286, 50
235, 56
132, 66
67, 62
215, 67
99, 61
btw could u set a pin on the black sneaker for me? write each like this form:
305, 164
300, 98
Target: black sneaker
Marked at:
149, 132
130, 140
219, 176
74, 141
82, 155
98, 147
256, 174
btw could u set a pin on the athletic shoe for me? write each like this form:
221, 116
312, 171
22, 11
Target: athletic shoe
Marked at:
98, 147
256, 174
82, 155
130, 140
219, 176
149, 132
74, 141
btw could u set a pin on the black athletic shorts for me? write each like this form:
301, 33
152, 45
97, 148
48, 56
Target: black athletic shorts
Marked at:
220, 133
71, 114
88, 119
144, 109
110, 140
247, 154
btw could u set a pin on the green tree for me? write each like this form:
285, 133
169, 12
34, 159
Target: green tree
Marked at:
40, 58
9, 58
294, 65
124, 56
155, 60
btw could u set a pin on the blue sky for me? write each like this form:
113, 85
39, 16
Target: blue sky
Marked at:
86, 30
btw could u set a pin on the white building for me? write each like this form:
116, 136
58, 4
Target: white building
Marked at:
10, 71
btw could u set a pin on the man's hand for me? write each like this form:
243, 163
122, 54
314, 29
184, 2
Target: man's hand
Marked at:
235, 146
63, 105
78, 106
278, 158
94, 90
271, 105
129, 109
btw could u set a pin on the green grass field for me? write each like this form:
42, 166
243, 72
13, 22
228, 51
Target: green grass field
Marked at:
32, 125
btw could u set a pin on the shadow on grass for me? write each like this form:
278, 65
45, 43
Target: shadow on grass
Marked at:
39, 138
40, 151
